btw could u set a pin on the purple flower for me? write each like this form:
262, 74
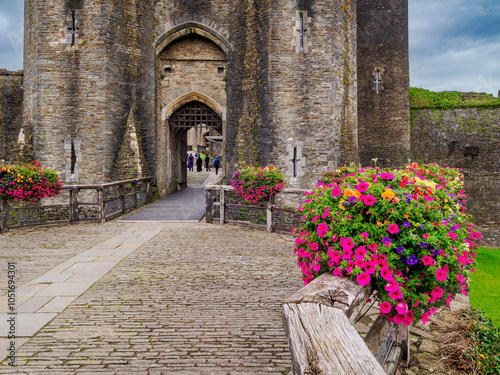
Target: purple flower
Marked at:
387, 239
352, 199
454, 228
400, 249
423, 244
407, 224
412, 260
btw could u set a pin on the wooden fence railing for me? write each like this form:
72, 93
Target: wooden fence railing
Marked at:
318, 322
223, 206
108, 201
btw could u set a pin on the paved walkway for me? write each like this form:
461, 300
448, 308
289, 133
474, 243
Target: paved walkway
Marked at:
156, 299
184, 205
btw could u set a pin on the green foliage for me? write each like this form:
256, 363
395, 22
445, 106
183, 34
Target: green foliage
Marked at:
255, 184
485, 283
485, 352
426, 99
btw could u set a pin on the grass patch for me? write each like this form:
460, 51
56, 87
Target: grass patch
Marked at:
485, 283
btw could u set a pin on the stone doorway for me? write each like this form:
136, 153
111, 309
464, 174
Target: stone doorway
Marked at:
193, 115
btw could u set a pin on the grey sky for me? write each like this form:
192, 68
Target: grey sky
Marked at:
454, 44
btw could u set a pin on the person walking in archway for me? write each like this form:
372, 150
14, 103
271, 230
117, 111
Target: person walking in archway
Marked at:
216, 164
190, 162
207, 163
199, 164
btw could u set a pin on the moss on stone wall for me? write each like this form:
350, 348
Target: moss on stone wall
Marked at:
426, 99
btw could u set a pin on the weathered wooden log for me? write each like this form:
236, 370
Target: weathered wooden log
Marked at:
101, 212
321, 336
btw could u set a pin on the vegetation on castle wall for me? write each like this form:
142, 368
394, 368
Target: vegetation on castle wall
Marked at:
426, 99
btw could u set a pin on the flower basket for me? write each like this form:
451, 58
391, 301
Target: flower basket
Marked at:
405, 231
29, 183
256, 184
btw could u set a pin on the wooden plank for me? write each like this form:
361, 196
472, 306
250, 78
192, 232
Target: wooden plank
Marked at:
101, 217
209, 205
392, 361
323, 341
339, 292
376, 333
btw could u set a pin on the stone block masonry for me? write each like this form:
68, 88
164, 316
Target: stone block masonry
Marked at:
468, 139
383, 82
87, 65
11, 109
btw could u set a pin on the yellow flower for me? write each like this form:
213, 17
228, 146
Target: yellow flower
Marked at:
341, 204
482, 356
357, 193
388, 193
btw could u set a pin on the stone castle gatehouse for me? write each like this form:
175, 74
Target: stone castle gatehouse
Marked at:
111, 87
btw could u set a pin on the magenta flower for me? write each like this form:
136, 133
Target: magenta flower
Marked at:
336, 191
452, 235
401, 308
386, 274
314, 246
428, 261
346, 243
364, 235
322, 229
385, 307
392, 286
393, 228
441, 274
369, 200
360, 253
363, 279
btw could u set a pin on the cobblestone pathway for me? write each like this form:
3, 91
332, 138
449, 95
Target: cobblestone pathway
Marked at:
196, 299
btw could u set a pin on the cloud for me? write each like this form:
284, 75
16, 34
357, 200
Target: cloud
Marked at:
11, 30
455, 45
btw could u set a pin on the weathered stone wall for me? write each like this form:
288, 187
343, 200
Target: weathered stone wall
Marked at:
291, 95
11, 109
88, 63
383, 116
468, 139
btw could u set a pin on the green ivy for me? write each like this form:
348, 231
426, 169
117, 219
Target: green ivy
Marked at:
426, 99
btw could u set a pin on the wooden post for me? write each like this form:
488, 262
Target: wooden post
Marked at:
4, 214
269, 216
209, 205
222, 206
121, 193
321, 336
134, 194
73, 205
101, 211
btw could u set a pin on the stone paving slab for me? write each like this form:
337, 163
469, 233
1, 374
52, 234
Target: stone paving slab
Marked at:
177, 305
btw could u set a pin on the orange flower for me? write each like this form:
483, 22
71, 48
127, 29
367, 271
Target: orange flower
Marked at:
348, 193
406, 216
356, 193
388, 194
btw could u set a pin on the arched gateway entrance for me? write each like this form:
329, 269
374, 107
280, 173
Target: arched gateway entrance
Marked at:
191, 116
192, 61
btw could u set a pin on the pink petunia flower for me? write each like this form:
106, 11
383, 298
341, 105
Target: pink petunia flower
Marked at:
322, 229
364, 235
401, 308
441, 274
393, 228
385, 307
360, 253
386, 274
336, 191
369, 200
363, 279
428, 260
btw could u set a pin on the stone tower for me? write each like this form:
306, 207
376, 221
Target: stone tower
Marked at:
107, 81
89, 66
383, 82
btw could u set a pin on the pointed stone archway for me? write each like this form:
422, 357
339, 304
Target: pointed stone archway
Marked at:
193, 114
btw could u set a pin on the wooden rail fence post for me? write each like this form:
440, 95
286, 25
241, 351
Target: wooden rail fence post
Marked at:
4, 214
222, 206
134, 194
73, 205
209, 205
269, 210
321, 336
101, 210
121, 193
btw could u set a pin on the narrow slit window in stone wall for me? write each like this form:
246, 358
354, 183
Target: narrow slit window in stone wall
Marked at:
301, 30
378, 84
73, 157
